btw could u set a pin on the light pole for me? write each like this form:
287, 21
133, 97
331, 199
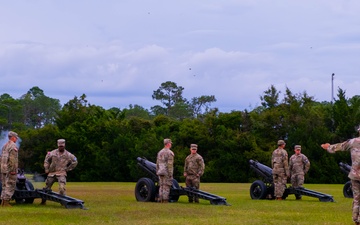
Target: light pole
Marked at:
332, 87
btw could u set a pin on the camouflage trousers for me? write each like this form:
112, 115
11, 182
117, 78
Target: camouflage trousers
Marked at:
193, 181
8, 186
279, 184
297, 180
50, 180
165, 183
355, 185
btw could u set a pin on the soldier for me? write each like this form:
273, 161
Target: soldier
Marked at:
9, 167
299, 165
57, 163
280, 169
165, 170
353, 146
193, 170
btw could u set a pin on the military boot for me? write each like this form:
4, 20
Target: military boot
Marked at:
5, 203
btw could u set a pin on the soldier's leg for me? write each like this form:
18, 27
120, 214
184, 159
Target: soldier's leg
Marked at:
277, 185
196, 183
283, 181
355, 185
161, 187
48, 184
10, 183
188, 182
3, 182
62, 184
166, 189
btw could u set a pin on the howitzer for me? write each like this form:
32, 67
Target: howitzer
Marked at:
147, 189
25, 193
347, 190
264, 189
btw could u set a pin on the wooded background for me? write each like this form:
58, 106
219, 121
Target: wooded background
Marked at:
108, 141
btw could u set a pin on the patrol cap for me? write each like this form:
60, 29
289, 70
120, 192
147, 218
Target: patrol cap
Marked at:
61, 142
281, 142
297, 147
167, 141
13, 134
193, 146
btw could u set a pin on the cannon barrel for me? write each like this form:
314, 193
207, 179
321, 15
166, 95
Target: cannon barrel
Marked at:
262, 170
148, 167
345, 167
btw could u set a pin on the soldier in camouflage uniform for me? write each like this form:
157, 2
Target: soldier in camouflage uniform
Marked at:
165, 170
57, 163
299, 165
280, 169
193, 170
9, 167
353, 146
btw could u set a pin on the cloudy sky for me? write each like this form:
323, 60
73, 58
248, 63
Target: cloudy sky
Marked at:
118, 52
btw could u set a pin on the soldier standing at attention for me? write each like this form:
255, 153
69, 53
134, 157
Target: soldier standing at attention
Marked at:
9, 167
280, 169
299, 165
165, 170
193, 170
353, 146
57, 163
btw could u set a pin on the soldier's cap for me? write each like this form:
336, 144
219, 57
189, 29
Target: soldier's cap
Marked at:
13, 134
193, 146
167, 141
297, 147
61, 142
281, 142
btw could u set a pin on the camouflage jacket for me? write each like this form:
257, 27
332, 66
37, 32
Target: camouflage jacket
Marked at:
352, 145
194, 165
165, 163
279, 161
299, 164
9, 158
57, 163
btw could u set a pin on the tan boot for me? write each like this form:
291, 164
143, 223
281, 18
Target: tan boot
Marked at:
6, 203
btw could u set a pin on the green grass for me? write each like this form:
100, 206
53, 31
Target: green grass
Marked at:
114, 203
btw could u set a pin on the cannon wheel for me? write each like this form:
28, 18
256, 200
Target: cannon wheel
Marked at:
174, 198
29, 187
347, 190
258, 190
145, 190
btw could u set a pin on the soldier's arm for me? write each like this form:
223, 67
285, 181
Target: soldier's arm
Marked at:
73, 163
12, 161
201, 166
47, 162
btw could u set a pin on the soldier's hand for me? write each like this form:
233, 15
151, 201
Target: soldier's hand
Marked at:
46, 171
185, 174
325, 146
12, 173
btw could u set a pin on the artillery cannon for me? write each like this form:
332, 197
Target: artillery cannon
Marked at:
147, 189
347, 190
25, 193
264, 189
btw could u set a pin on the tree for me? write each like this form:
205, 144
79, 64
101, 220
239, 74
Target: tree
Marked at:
202, 104
39, 109
271, 97
169, 94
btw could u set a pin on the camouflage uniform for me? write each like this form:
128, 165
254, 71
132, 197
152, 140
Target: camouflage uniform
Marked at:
193, 170
165, 170
56, 165
9, 167
353, 146
280, 170
299, 165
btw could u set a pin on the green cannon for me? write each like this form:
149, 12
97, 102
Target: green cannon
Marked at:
147, 188
264, 189
347, 191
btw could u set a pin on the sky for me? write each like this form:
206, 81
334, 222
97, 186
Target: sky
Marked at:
117, 52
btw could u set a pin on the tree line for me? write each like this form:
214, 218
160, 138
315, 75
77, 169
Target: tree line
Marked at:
108, 141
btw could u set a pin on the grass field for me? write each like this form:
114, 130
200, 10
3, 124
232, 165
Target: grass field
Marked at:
114, 203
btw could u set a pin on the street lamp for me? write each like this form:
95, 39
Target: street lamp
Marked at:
332, 87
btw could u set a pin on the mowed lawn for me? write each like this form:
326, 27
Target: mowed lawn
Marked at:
114, 203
